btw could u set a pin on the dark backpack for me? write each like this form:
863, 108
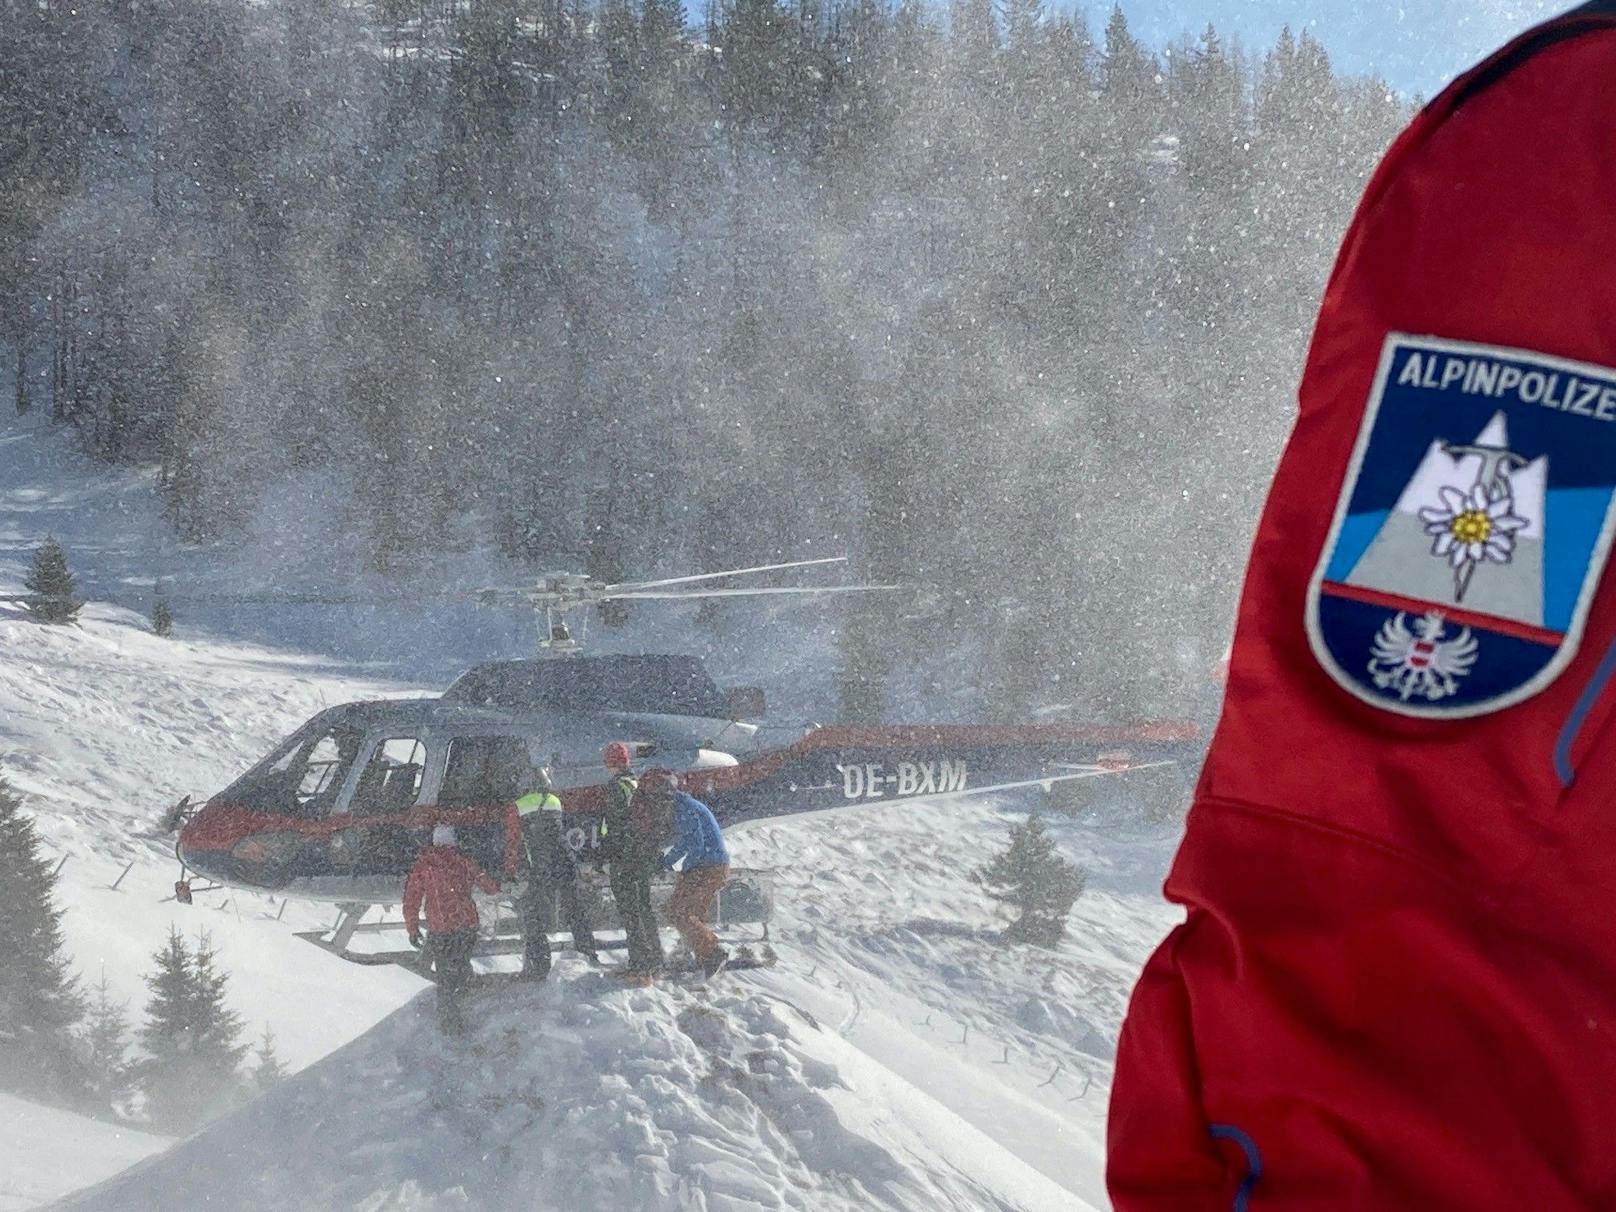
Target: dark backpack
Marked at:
650, 823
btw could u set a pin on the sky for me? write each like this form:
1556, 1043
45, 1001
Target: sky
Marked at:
1415, 45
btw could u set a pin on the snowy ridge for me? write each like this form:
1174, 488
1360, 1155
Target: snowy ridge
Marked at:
582, 1094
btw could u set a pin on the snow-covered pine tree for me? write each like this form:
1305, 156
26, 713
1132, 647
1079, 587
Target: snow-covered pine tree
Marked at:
39, 1000
191, 1039
50, 581
107, 1034
1036, 881
218, 1044
164, 1073
162, 616
267, 1067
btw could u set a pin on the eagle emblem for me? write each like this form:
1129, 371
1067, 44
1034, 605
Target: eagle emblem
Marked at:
1420, 663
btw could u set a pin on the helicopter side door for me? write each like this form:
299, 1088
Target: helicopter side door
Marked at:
391, 779
484, 770
497, 768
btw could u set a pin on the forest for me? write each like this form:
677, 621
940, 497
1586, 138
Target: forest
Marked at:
1000, 304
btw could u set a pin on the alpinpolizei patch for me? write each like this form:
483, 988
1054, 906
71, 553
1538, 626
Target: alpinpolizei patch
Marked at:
1472, 529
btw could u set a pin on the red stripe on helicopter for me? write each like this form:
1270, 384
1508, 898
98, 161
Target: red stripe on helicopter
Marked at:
916, 736
221, 825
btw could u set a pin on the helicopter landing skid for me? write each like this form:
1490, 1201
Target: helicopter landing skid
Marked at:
335, 941
349, 923
745, 900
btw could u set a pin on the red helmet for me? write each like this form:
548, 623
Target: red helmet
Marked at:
617, 756
657, 783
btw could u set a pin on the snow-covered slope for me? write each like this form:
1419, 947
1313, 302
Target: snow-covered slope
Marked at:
46, 1152
966, 1074
891, 940
582, 1094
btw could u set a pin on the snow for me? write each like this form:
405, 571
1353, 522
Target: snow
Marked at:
584, 1094
46, 1153
898, 1056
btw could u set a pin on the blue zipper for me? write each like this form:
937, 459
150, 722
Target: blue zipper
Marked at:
1579, 716
1242, 1195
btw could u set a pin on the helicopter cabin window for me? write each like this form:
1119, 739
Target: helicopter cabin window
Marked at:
391, 780
319, 770
485, 770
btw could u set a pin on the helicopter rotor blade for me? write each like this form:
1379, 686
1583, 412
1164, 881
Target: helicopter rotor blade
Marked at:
614, 590
657, 594
319, 599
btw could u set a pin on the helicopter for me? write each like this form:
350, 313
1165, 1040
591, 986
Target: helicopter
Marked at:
339, 809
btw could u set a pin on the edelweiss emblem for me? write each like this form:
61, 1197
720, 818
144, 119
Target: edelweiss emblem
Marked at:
1475, 522
1471, 528
1420, 663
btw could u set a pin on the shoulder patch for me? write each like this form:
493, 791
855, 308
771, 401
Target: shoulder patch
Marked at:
1473, 526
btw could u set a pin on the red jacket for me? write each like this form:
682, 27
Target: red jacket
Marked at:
443, 877
1396, 985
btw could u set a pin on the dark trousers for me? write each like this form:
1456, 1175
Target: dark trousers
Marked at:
450, 955
543, 890
631, 890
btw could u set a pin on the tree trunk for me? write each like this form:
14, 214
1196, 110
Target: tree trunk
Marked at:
21, 387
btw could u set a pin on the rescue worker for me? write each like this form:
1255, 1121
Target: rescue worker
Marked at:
442, 880
631, 861
552, 879
1394, 987
695, 849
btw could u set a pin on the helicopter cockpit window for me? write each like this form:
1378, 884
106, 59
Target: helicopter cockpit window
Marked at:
303, 777
391, 780
485, 770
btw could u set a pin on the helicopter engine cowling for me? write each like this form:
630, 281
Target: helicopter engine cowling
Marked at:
692, 759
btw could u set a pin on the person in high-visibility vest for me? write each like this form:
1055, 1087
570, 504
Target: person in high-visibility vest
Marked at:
552, 876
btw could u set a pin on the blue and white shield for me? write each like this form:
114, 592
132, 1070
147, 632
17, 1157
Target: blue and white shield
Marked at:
1472, 529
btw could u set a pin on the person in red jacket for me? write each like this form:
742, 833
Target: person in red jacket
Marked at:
442, 880
1395, 985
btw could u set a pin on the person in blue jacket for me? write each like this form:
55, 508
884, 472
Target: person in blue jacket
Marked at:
696, 851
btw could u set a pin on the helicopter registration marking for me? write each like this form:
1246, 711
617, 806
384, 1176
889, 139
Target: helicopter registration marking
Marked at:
873, 781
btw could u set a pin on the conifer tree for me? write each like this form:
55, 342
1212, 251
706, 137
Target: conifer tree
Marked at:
39, 1000
50, 581
107, 1034
166, 1035
1128, 70
191, 1039
267, 1069
1033, 878
218, 1037
662, 25
162, 616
